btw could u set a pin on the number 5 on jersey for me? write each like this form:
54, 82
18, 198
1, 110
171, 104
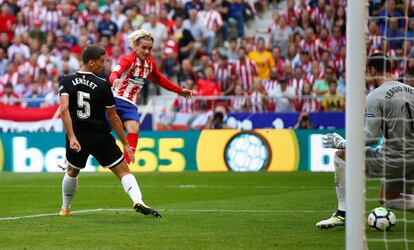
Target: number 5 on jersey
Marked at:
84, 108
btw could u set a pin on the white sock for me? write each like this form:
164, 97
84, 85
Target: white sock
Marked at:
131, 188
69, 186
340, 182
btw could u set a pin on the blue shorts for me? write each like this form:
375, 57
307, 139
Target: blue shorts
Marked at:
126, 110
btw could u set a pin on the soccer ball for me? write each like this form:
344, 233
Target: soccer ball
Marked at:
381, 218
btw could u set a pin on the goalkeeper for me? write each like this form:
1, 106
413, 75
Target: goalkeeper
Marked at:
389, 112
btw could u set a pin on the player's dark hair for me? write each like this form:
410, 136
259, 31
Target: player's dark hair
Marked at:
379, 62
92, 52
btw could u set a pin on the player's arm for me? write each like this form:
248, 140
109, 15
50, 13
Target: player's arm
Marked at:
67, 122
160, 79
373, 120
123, 65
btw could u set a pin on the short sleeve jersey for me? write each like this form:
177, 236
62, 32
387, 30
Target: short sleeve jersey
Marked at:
89, 96
390, 113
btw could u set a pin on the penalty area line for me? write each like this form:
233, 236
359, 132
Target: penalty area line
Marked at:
177, 210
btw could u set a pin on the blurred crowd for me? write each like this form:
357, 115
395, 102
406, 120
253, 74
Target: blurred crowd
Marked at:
295, 64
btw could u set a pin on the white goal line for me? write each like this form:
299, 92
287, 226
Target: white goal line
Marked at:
90, 211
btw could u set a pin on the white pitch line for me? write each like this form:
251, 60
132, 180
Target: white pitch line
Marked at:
90, 211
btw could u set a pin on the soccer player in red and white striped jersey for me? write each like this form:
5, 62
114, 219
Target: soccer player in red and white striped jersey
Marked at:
128, 78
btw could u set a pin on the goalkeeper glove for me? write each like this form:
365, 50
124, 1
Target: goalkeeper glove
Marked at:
333, 141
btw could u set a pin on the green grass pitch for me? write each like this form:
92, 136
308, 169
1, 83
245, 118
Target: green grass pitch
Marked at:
200, 211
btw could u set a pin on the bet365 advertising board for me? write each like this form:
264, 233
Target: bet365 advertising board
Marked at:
175, 151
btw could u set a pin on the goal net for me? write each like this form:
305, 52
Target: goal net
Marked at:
390, 167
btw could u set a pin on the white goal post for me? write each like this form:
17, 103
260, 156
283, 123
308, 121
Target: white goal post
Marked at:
357, 16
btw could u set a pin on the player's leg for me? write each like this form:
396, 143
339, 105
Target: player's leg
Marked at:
338, 218
128, 113
398, 194
75, 162
131, 187
132, 127
108, 154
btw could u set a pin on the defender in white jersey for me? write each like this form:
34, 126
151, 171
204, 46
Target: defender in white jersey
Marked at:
389, 117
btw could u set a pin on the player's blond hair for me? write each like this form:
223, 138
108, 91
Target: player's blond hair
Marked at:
136, 36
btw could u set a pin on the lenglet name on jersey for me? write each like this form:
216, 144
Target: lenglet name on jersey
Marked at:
88, 83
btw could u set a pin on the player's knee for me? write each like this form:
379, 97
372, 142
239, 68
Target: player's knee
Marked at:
72, 172
132, 126
341, 154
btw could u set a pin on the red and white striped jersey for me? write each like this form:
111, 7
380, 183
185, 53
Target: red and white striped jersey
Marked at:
310, 77
223, 75
31, 14
297, 85
134, 72
321, 46
318, 15
184, 105
269, 85
309, 104
374, 41
335, 44
239, 103
155, 8
257, 101
310, 47
339, 65
50, 19
299, 8
245, 70
27, 67
211, 19
13, 78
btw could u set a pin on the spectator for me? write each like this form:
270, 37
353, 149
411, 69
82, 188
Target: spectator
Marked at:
258, 98
298, 80
279, 61
8, 96
281, 35
193, 4
167, 21
4, 41
333, 101
118, 17
11, 74
321, 86
232, 54
225, 75
66, 57
263, 59
68, 37
184, 38
308, 100
3, 61
224, 8
186, 76
237, 9
18, 47
35, 98
106, 27
37, 33
394, 35
217, 120
52, 98
284, 96
159, 32
209, 17
22, 88
170, 55
201, 34
245, 70
303, 121
7, 20
240, 102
